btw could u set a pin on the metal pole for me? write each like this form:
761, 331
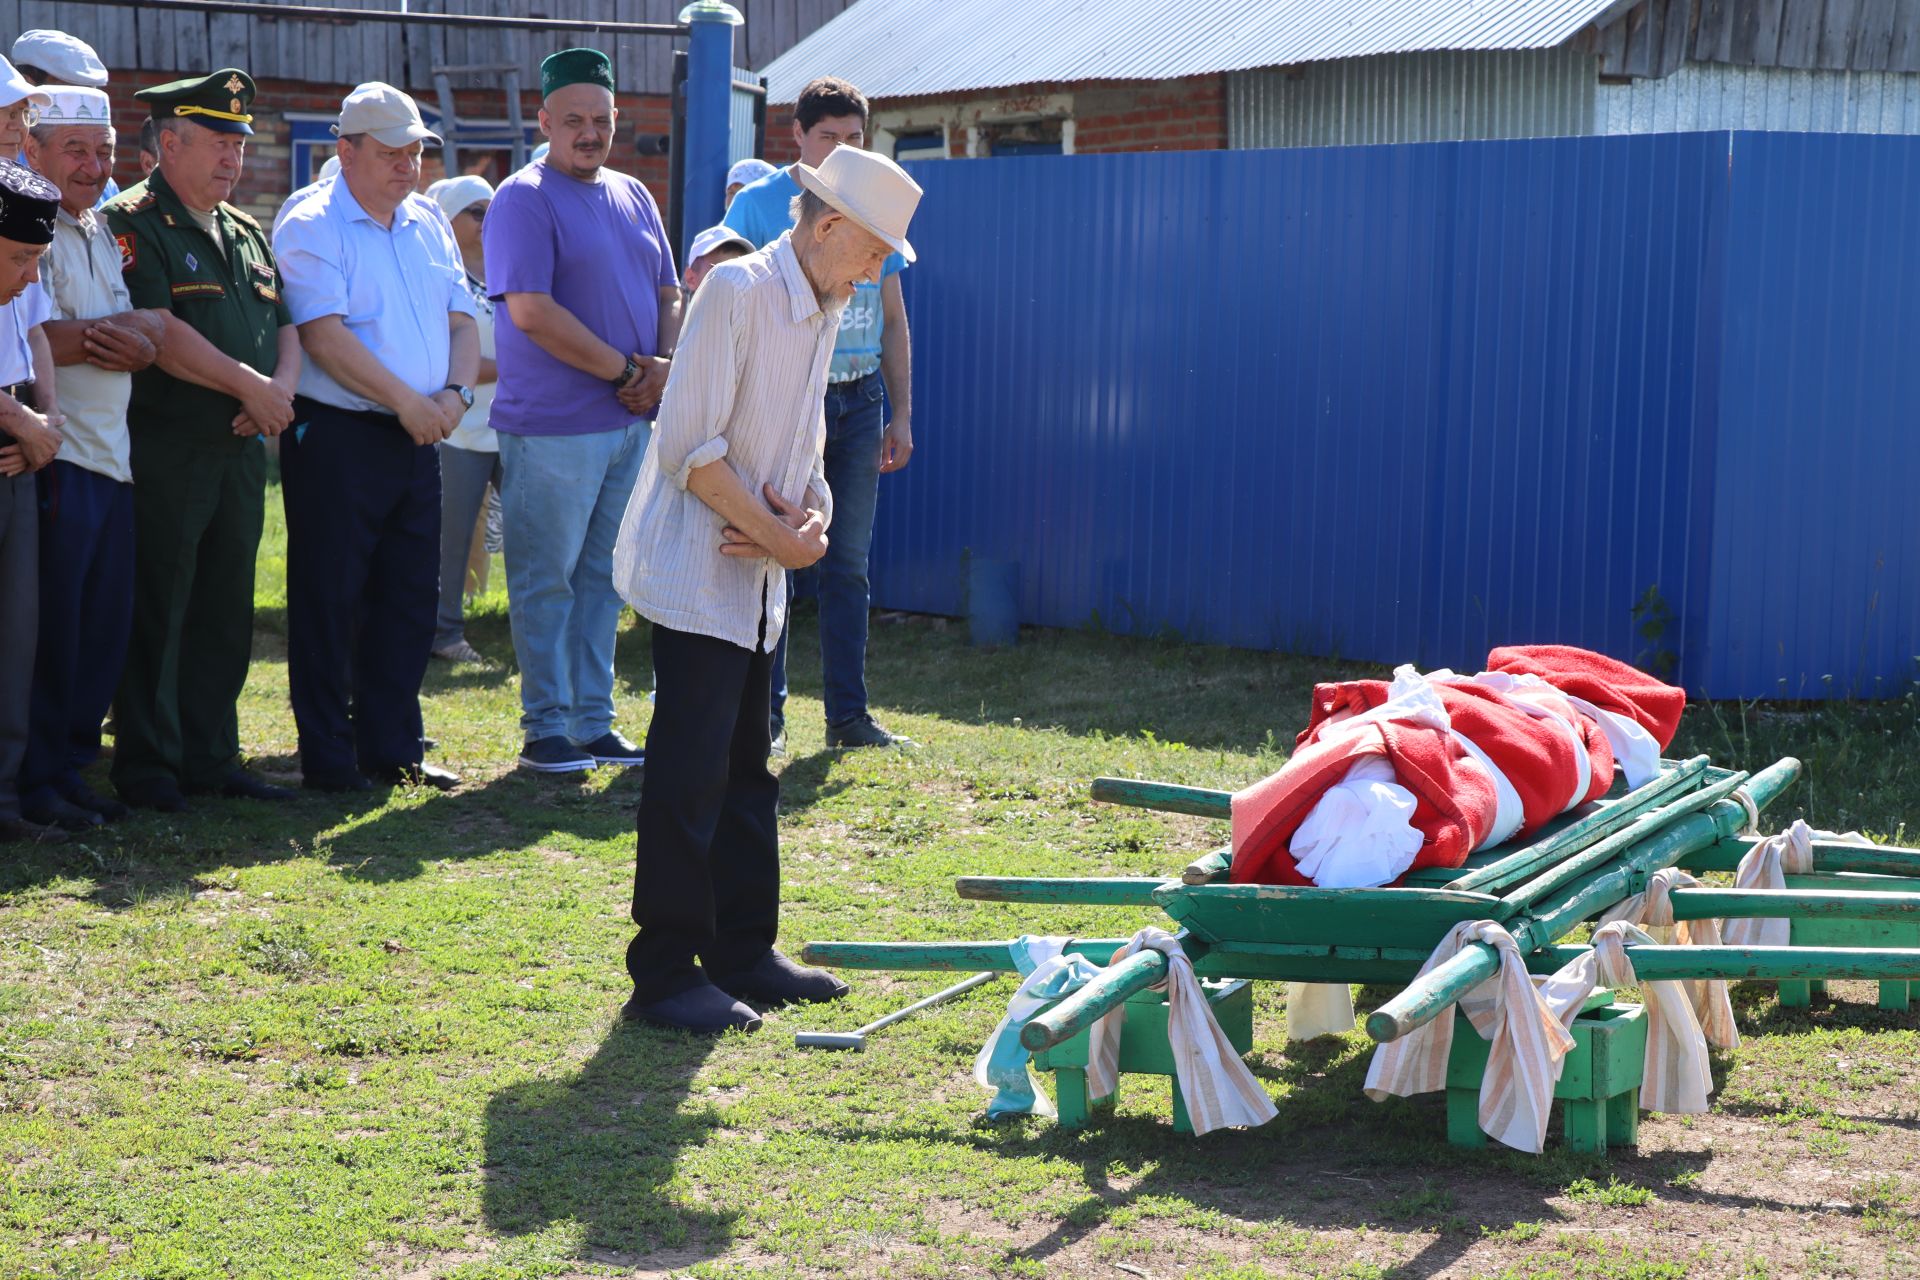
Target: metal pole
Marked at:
324, 13
703, 193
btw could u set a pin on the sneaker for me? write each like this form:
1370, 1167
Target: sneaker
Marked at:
777, 745
415, 775
554, 755
611, 748
459, 651
864, 731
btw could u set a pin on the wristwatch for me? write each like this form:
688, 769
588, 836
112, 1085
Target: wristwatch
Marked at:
627, 374
465, 393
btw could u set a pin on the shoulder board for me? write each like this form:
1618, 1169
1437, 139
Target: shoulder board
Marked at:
138, 200
241, 215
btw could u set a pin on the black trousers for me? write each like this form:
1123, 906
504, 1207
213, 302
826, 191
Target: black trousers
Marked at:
706, 875
363, 565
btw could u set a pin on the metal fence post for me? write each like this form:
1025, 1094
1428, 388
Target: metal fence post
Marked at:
709, 115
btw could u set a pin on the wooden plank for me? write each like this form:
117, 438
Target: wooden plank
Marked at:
1713, 34
1613, 50
1091, 891
1905, 52
1166, 796
1763, 904
1799, 38
1641, 23
976, 956
1756, 33
117, 37
1873, 38
228, 41
1674, 35
1839, 22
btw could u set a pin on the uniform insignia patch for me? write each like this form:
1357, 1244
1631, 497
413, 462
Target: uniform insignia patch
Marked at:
126, 252
193, 263
199, 289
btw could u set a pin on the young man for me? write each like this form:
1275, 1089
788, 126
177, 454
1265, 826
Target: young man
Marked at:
579, 256
872, 349
28, 442
98, 343
732, 495
375, 282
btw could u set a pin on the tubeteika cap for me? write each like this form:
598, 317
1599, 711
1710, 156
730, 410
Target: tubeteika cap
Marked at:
575, 66
28, 204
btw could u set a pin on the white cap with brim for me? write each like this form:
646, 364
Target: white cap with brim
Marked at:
71, 105
384, 114
747, 171
458, 194
14, 87
713, 237
870, 189
68, 59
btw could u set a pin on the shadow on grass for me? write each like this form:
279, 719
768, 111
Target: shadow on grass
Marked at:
598, 1148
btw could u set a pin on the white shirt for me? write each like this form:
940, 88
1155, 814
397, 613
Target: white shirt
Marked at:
393, 285
473, 432
81, 270
747, 384
31, 308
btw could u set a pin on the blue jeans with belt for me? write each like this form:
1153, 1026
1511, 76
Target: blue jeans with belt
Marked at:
854, 427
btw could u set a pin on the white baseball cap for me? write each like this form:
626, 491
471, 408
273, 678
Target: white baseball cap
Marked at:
460, 193
73, 105
713, 237
14, 87
66, 58
748, 170
390, 116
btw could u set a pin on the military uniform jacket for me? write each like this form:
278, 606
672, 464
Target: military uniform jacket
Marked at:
231, 292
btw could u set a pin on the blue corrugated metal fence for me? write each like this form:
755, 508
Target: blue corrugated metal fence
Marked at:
1406, 402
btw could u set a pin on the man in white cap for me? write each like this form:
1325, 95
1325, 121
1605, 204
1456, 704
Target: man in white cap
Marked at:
470, 457
52, 58
744, 174
98, 341
732, 495
376, 286
18, 102
709, 249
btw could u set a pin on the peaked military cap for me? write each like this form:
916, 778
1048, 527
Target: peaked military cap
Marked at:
219, 101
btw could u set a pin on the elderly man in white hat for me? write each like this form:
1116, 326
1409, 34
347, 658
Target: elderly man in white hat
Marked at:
376, 285
98, 341
733, 495
51, 59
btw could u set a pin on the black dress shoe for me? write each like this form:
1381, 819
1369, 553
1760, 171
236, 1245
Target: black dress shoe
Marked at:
777, 980
19, 830
161, 795
705, 1008
87, 798
335, 783
58, 811
239, 784
416, 775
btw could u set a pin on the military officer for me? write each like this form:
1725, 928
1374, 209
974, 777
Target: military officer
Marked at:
197, 419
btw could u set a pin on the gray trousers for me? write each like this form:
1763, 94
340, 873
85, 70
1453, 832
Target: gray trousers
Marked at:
19, 626
464, 474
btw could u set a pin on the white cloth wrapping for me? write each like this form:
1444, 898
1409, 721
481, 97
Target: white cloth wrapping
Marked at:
1766, 866
1526, 1023
1652, 911
1317, 1009
1216, 1086
1360, 831
1636, 753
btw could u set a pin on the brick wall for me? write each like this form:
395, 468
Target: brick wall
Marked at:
264, 184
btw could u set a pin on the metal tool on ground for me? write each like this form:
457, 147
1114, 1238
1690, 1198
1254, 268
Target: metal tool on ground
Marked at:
856, 1040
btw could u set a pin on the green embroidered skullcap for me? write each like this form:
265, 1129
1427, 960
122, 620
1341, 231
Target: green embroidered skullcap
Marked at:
575, 66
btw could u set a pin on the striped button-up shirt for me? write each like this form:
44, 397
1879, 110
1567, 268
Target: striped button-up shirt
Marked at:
748, 384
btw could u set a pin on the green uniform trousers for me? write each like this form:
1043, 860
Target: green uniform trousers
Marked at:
196, 516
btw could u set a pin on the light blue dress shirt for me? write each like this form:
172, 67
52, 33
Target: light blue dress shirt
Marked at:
394, 286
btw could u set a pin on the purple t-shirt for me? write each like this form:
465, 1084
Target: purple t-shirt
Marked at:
600, 250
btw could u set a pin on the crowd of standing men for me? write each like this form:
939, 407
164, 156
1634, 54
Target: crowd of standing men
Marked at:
407, 351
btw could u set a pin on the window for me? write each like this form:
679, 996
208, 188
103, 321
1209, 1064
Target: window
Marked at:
922, 144
1022, 138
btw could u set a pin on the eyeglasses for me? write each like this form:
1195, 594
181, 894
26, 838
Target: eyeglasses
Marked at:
22, 112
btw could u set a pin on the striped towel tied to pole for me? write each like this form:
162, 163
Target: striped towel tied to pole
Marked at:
1767, 866
1653, 912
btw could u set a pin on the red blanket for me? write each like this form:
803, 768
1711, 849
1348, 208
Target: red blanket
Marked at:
1603, 681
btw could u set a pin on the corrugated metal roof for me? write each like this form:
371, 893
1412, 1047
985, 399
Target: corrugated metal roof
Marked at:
909, 48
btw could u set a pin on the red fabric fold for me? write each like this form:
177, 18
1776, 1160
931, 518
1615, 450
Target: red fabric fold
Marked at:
1605, 682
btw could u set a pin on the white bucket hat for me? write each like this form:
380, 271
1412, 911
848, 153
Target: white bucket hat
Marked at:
870, 189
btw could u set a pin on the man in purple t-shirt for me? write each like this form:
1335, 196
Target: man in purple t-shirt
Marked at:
582, 347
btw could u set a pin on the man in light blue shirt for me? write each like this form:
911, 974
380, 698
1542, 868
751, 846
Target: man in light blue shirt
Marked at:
375, 283
873, 348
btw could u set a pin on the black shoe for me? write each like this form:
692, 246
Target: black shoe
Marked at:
160, 795
335, 783
554, 755
87, 798
239, 784
611, 748
777, 980
416, 775
705, 1008
55, 810
19, 830
864, 731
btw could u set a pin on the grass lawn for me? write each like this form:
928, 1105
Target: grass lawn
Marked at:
377, 1035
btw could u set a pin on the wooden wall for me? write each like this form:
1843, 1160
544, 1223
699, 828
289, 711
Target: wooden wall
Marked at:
1654, 37
165, 41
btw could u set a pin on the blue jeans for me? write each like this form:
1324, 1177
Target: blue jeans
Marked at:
854, 428
561, 510
464, 474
